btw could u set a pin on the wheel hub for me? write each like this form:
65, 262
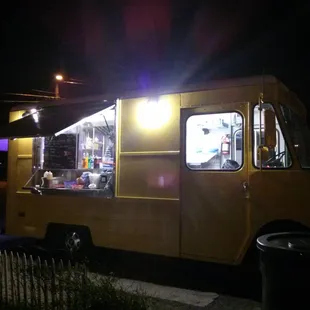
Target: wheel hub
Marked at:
73, 242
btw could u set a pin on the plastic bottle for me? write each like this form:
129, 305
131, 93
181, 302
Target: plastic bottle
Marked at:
90, 162
84, 162
96, 163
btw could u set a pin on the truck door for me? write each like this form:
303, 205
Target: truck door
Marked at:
214, 179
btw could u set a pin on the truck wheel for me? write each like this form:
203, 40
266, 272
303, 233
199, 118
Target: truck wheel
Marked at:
75, 247
69, 241
73, 242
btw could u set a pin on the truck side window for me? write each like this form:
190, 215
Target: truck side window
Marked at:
299, 133
279, 156
214, 141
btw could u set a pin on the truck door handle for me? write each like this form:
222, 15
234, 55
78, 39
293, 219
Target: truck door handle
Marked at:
245, 186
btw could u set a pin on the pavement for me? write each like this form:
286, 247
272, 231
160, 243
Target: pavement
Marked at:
221, 303
171, 298
183, 296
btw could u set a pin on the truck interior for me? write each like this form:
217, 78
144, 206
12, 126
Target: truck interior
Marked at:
277, 152
214, 141
299, 134
81, 157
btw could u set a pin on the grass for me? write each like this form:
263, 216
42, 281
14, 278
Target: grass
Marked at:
105, 293
79, 290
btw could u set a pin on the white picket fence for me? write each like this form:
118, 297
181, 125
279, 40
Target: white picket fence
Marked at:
35, 284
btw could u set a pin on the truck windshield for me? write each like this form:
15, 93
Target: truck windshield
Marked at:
300, 135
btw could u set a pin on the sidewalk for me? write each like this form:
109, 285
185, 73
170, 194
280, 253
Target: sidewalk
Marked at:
171, 298
220, 303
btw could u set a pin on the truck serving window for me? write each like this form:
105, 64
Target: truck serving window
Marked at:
299, 134
278, 156
214, 141
80, 158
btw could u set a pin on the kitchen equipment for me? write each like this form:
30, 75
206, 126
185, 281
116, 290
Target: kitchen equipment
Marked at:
103, 180
48, 175
45, 182
94, 178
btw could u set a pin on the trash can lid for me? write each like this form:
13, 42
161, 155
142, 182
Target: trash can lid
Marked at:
289, 241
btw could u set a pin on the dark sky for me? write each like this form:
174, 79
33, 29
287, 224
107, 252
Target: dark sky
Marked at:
139, 43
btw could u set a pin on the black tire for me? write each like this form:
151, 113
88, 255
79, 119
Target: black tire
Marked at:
69, 242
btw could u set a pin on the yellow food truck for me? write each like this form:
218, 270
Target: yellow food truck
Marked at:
193, 173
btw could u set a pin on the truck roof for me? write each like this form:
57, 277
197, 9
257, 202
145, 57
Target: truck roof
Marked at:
259, 81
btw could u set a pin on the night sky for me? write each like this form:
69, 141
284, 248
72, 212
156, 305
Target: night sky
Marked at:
118, 45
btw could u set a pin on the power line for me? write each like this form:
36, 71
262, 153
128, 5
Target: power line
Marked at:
31, 95
20, 101
73, 82
43, 91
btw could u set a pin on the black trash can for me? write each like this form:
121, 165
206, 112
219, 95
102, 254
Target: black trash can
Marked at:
285, 269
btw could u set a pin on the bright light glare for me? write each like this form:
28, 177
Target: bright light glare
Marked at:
59, 77
154, 114
98, 115
35, 115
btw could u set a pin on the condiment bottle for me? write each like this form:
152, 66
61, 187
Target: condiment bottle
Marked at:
96, 163
90, 162
84, 162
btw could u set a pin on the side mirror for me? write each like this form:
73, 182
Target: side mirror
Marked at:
270, 129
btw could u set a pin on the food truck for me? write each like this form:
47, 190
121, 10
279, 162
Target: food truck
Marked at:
194, 173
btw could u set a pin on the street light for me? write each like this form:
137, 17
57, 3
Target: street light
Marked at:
58, 78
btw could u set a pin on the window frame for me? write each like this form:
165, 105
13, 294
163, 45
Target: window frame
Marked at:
284, 138
257, 130
290, 138
243, 142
